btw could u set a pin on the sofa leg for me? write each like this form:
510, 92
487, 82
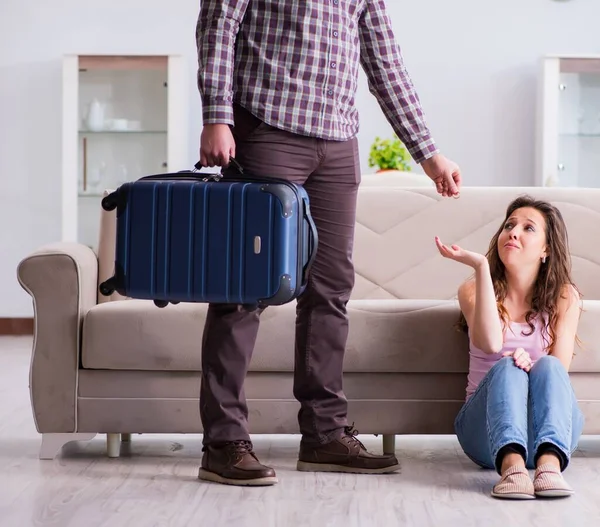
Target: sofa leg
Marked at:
113, 445
52, 443
389, 443
126, 438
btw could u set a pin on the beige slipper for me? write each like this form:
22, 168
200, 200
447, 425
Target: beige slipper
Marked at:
549, 482
515, 484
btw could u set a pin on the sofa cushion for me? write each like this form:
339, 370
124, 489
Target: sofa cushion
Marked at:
403, 336
385, 336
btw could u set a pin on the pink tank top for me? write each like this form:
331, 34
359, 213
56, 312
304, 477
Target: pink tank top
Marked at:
480, 362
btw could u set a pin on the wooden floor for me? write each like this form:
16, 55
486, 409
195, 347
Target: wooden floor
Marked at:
154, 482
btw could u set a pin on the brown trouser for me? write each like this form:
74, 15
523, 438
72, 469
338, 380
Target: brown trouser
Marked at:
330, 173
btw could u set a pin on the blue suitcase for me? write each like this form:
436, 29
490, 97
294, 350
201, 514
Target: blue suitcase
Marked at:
191, 237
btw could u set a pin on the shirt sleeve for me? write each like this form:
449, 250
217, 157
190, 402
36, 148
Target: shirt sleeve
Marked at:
216, 30
390, 83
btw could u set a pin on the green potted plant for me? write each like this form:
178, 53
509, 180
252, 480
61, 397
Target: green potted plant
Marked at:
389, 154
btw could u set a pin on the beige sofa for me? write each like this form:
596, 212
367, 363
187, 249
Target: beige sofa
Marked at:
125, 366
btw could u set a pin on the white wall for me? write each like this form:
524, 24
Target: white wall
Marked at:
474, 63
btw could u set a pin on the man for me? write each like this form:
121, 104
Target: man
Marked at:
278, 80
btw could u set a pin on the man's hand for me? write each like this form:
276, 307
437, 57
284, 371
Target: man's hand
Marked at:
445, 174
216, 145
521, 358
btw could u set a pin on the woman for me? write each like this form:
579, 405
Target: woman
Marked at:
521, 311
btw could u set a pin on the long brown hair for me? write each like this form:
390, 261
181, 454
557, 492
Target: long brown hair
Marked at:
553, 275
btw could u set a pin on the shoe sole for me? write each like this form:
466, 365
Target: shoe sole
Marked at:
304, 466
513, 496
554, 493
206, 475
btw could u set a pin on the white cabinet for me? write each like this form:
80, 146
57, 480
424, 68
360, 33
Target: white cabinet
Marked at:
568, 142
124, 117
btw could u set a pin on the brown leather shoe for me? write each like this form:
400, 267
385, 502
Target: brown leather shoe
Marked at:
344, 454
235, 464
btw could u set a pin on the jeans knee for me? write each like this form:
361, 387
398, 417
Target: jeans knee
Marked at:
506, 367
507, 363
547, 364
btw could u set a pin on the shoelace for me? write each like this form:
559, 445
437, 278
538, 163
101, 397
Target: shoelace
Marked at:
240, 447
352, 432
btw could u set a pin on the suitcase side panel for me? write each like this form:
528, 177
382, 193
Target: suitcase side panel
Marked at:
180, 226
237, 277
122, 242
199, 241
288, 245
261, 232
160, 246
218, 244
143, 219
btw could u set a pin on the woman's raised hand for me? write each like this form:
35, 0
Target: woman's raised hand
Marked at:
454, 252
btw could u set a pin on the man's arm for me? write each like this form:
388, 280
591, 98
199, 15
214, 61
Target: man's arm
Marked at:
391, 84
216, 30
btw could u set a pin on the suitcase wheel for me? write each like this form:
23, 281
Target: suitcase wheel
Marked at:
110, 202
108, 287
161, 303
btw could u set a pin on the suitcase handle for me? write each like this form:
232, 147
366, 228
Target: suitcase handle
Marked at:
198, 166
314, 240
195, 173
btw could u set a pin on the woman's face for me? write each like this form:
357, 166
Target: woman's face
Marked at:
522, 241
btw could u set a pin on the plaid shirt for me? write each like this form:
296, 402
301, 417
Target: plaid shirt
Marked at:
294, 64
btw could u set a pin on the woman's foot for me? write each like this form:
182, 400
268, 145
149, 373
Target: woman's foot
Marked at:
514, 484
549, 482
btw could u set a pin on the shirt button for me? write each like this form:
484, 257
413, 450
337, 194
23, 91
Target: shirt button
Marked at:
333, 64
335, 2
329, 92
335, 33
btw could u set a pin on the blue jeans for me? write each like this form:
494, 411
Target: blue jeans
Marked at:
512, 407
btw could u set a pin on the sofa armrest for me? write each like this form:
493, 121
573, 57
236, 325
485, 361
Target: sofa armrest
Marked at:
62, 280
